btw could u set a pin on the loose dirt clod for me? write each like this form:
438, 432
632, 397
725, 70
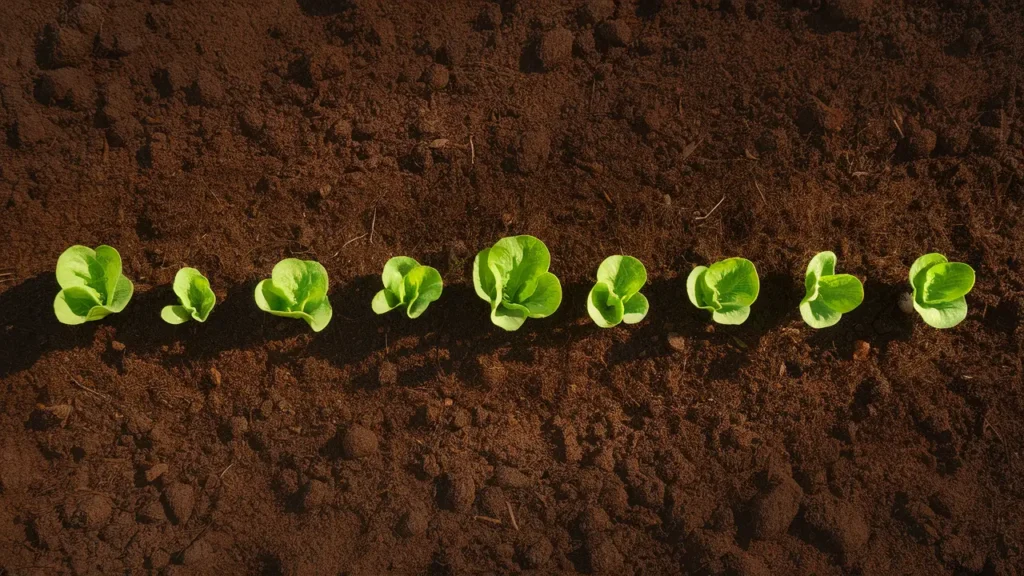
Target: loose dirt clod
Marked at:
358, 442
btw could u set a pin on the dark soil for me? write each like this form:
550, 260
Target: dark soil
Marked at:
227, 135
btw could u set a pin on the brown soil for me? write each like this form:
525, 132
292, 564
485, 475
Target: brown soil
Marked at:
228, 135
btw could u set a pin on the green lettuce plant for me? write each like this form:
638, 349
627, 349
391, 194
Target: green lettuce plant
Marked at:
616, 296
513, 276
196, 297
92, 286
939, 290
296, 289
829, 295
727, 288
407, 284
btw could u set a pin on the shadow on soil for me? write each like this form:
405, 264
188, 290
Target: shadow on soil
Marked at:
456, 328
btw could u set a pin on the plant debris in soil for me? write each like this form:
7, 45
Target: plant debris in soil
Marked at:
229, 135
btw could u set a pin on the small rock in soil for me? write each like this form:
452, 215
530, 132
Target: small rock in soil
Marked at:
555, 48
739, 563
315, 495
151, 513
461, 419
68, 87
533, 150
412, 523
179, 499
239, 425
568, 445
593, 519
508, 477
457, 492
816, 116
775, 510
594, 11
676, 342
358, 442
88, 18
91, 512
537, 554
197, 554
492, 501
841, 523
207, 90
436, 76
602, 556
861, 350
61, 47
387, 374
615, 32
154, 471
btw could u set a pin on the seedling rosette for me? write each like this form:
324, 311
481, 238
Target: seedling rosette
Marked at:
940, 288
727, 288
92, 286
409, 285
195, 297
829, 295
296, 289
513, 277
616, 296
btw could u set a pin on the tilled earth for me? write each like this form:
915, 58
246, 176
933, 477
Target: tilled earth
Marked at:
226, 135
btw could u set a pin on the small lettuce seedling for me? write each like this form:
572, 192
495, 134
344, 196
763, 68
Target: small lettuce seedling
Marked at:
92, 286
940, 287
296, 289
513, 276
727, 288
616, 296
196, 297
408, 284
829, 295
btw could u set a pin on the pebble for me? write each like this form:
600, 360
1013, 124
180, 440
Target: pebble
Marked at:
155, 471
676, 342
861, 350
775, 510
412, 523
179, 499
615, 32
457, 492
555, 48
358, 442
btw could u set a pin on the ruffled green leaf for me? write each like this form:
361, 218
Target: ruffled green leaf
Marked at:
605, 308
823, 264
731, 315
840, 292
513, 277
423, 285
395, 271
296, 289
696, 289
99, 272
947, 282
945, 314
175, 314
195, 295
635, 309
733, 281
818, 315
385, 301
939, 290
619, 280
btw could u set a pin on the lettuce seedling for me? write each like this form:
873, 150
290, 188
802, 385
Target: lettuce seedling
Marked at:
408, 284
616, 296
940, 287
829, 295
196, 297
727, 288
92, 286
296, 289
513, 276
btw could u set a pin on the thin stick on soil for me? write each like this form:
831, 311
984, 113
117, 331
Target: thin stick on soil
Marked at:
472, 151
488, 519
354, 239
86, 388
706, 216
373, 224
512, 516
225, 471
758, 186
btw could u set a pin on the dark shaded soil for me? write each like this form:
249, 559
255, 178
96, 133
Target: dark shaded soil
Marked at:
227, 135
